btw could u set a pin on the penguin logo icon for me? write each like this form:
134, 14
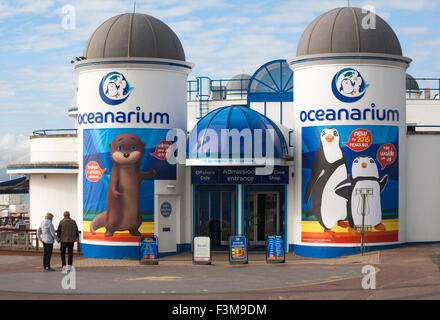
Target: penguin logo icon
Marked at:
114, 88
348, 85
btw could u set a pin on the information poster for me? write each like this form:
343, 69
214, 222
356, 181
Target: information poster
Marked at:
275, 249
238, 249
148, 247
202, 250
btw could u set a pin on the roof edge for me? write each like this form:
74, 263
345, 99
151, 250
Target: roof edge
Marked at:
131, 60
349, 56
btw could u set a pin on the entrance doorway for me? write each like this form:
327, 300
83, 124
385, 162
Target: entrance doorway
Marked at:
262, 216
215, 213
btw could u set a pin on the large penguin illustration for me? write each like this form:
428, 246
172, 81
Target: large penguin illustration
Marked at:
364, 174
328, 170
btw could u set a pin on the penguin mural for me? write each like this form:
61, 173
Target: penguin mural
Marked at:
328, 170
364, 174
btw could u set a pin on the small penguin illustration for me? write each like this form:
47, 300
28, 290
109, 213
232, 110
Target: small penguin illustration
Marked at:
347, 86
357, 85
364, 175
328, 170
112, 89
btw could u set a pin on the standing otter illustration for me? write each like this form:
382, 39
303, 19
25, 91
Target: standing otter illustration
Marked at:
124, 187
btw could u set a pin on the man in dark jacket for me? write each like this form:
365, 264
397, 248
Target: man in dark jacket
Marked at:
68, 234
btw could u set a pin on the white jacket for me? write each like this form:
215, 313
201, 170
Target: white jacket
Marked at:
46, 232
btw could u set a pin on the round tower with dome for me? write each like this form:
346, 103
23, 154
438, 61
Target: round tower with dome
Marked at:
350, 135
132, 82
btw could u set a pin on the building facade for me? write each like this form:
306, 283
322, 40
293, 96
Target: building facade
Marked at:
253, 155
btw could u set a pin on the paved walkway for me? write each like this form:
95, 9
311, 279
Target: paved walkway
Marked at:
410, 272
222, 259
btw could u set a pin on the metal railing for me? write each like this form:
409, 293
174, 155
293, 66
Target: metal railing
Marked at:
24, 239
54, 131
18, 239
205, 87
429, 87
204, 90
413, 128
236, 91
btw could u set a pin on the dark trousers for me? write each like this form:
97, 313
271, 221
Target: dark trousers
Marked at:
69, 247
48, 247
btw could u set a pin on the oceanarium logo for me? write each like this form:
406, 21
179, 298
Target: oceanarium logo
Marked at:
114, 88
348, 85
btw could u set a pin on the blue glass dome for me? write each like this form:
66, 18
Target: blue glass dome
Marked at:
209, 140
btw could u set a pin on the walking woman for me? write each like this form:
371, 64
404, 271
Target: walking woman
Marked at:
46, 234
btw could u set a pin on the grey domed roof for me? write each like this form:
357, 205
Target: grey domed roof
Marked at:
340, 31
134, 35
236, 84
410, 81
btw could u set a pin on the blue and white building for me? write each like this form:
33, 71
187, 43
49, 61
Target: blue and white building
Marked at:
216, 191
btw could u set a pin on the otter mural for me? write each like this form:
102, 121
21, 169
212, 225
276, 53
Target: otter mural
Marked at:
123, 191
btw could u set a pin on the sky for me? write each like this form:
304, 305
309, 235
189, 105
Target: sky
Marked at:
39, 38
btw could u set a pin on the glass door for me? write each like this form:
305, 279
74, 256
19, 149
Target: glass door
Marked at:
262, 216
216, 216
227, 212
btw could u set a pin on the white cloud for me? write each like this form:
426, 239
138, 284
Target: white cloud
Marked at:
186, 26
412, 30
10, 9
173, 12
428, 43
13, 149
48, 82
409, 5
6, 90
230, 20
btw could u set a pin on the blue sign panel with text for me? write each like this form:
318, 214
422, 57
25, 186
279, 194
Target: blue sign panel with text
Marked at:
148, 248
238, 249
275, 248
238, 175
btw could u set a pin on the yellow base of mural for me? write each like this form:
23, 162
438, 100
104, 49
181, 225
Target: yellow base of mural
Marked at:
312, 231
146, 229
314, 226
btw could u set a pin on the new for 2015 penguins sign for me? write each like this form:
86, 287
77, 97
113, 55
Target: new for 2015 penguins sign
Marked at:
351, 123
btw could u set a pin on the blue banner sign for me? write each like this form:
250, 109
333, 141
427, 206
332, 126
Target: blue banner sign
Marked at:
148, 247
238, 175
238, 249
275, 248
